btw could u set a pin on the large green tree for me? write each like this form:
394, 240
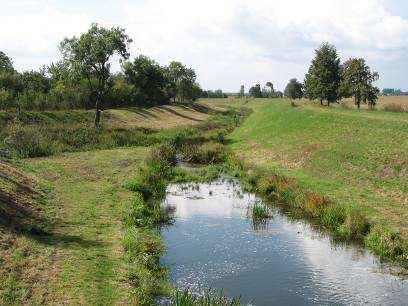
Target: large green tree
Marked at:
148, 78
357, 82
182, 82
322, 81
89, 57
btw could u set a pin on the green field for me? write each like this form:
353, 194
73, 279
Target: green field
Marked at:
353, 157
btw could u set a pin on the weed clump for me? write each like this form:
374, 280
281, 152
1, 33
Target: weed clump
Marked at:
259, 211
186, 298
207, 153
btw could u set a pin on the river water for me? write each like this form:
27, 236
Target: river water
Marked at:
214, 243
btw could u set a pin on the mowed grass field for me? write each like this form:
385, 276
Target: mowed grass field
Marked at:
353, 157
64, 243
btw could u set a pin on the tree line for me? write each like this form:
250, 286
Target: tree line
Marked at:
83, 77
328, 80
267, 91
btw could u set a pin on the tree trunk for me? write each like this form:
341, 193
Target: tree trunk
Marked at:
97, 115
328, 103
321, 102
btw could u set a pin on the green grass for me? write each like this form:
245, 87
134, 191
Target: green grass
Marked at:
259, 211
355, 159
185, 298
37, 134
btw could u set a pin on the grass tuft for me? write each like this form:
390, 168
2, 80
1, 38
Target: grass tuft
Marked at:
209, 298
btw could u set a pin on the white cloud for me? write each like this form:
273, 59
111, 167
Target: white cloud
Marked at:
31, 30
228, 42
232, 42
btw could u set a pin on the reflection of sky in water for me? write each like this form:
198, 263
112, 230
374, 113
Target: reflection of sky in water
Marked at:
213, 245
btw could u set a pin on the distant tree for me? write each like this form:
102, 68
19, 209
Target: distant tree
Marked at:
255, 91
242, 92
182, 84
323, 78
89, 57
271, 89
6, 64
278, 94
388, 91
148, 79
293, 90
357, 82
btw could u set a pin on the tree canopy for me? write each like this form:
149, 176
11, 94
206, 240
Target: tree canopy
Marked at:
357, 81
293, 89
322, 81
89, 56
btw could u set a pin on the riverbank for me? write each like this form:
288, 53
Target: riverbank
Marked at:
351, 158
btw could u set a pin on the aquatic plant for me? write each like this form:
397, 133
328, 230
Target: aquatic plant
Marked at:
209, 298
259, 211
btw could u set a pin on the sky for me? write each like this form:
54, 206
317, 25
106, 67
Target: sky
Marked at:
227, 42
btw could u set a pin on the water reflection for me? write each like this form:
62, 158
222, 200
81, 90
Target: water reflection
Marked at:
213, 244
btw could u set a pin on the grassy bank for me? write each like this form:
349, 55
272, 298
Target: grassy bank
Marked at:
355, 159
37, 134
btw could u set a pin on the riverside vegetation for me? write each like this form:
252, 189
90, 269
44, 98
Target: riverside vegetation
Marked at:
208, 142
347, 222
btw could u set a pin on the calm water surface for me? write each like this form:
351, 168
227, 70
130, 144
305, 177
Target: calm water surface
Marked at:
214, 244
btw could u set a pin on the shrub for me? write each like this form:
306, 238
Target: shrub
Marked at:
355, 225
386, 244
27, 141
315, 204
206, 153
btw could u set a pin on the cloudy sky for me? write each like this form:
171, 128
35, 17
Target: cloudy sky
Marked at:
227, 42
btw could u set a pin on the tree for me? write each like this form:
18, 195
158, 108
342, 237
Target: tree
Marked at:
89, 57
6, 64
35, 81
255, 91
182, 84
148, 78
293, 90
357, 82
271, 89
323, 78
242, 91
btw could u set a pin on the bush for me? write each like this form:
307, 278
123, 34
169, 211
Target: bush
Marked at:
27, 141
355, 225
386, 244
206, 153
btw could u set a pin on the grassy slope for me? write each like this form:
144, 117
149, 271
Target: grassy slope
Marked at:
353, 157
80, 259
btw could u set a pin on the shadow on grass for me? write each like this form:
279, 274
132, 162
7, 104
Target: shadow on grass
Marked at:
174, 112
141, 112
62, 240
